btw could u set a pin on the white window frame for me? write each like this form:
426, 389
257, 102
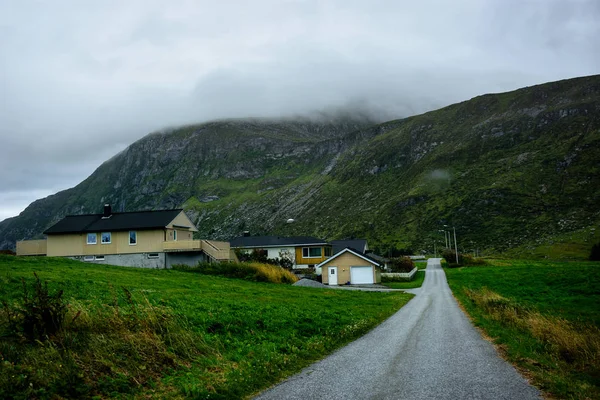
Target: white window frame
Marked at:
129, 238
109, 238
153, 255
99, 258
88, 258
174, 235
308, 252
95, 238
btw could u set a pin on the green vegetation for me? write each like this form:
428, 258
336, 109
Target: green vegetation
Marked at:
251, 271
170, 334
416, 282
543, 316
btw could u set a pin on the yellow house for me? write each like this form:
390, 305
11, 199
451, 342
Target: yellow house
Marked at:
152, 239
302, 251
350, 266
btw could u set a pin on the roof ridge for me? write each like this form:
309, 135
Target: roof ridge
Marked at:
121, 212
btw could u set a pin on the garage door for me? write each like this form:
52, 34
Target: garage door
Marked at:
359, 275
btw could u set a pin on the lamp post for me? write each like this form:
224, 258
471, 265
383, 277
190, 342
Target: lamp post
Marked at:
445, 236
455, 244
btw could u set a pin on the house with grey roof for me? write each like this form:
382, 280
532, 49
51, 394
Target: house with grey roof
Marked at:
302, 251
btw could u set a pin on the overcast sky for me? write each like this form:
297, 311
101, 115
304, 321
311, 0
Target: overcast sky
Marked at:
80, 80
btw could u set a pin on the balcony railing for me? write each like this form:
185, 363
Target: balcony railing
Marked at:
32, 247
216, 250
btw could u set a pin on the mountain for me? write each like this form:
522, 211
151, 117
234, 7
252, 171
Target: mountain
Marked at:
515, 172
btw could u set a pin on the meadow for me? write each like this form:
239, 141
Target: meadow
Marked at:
544, 317
137, 333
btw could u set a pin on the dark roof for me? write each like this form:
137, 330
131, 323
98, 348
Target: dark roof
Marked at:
272, 241
116, 222
339, 245
350, 249
377, 257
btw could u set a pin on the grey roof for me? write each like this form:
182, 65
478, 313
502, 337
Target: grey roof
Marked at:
137, 220
358, 244
354, 251
377, 257
274, 241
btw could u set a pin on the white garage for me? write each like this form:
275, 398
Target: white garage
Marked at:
350, 267
361, 275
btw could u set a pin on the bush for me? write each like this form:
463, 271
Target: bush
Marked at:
250, 271
401, 264
595, 253
463, 259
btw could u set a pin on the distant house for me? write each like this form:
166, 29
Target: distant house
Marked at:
151, 239
350, 266
303, 251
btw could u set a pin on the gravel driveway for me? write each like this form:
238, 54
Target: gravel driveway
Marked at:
427, 350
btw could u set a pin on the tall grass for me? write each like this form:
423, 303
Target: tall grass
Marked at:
251, 271
99, 350
579, 346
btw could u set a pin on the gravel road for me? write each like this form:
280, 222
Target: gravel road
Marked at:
427, 350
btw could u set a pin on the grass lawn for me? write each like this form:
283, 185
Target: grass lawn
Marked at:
215, 337
417, 282
421, 264
544, 316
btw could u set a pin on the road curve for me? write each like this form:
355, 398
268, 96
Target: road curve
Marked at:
427, 350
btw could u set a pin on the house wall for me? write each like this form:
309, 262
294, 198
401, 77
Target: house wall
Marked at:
148, 241
310, 260
343, 264
182, 220
181, 235
138, 260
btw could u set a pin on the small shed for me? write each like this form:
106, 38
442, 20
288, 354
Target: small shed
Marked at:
350, 266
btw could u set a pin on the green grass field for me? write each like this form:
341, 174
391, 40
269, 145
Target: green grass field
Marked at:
174, 334
544, 317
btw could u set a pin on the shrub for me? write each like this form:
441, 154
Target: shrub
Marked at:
251, 271
463, 259
595, 253
401, 264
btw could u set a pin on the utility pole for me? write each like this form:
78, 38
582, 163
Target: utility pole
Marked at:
455, 244
434, 249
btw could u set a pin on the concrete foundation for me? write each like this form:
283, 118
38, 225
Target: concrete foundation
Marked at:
190, 258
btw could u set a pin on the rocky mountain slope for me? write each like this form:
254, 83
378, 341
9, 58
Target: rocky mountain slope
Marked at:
516, 171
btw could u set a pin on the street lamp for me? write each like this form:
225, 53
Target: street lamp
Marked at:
445, 236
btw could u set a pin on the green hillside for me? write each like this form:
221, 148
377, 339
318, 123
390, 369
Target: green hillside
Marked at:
515, 172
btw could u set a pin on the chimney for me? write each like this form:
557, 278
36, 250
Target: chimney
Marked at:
246, 233
107, 211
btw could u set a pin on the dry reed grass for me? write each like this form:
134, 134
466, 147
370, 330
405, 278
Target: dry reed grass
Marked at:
579, 346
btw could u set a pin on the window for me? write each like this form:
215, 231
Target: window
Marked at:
88, 258
152, 255
174, 234
92, 239
327, 251
311, 252
99, 258
105, 237
132, 237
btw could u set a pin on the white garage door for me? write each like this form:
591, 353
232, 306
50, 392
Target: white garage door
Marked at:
360, 275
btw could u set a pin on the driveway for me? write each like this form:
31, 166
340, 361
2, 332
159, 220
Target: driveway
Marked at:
427, 350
